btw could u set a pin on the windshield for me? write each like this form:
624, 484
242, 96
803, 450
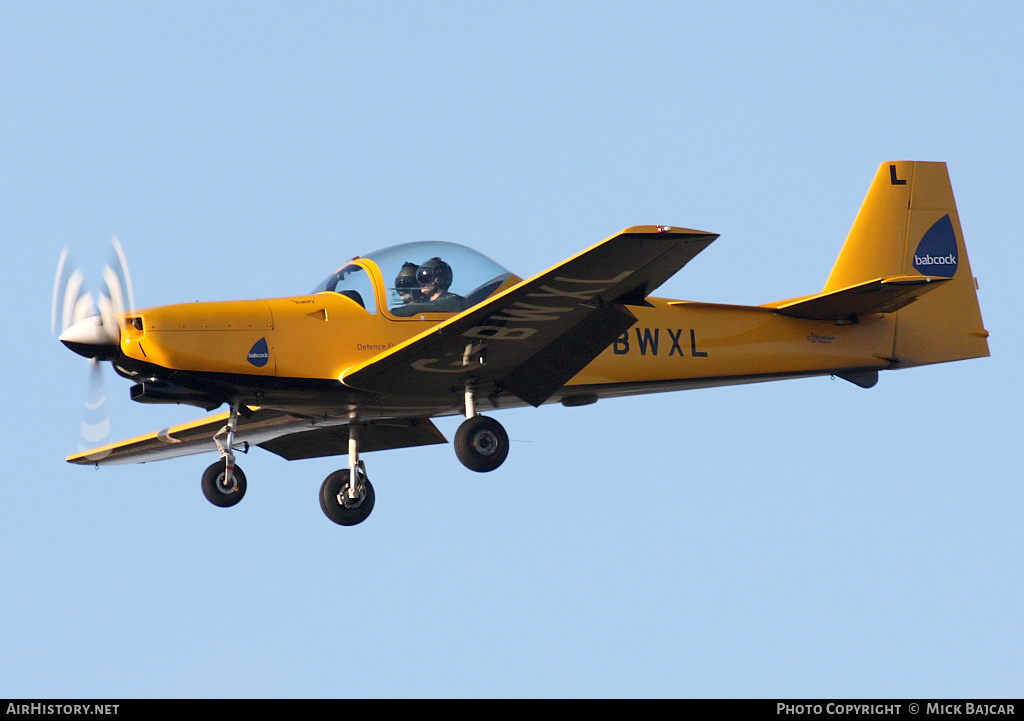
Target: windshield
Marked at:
424, 277
353, 282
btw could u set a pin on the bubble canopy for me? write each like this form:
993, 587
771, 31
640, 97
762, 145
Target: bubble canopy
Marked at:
410, 268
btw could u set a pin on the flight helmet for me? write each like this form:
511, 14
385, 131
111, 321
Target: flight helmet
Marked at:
405, 282
435, 271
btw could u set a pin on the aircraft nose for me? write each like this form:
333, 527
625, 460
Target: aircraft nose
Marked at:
93, 338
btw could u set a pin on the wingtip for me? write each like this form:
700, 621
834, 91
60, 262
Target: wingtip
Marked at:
670, 230
90, 457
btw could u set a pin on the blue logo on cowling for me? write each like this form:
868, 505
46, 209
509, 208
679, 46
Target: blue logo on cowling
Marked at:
937, 254
259, 354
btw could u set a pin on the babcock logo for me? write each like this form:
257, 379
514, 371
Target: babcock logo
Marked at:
936, 254
259, 354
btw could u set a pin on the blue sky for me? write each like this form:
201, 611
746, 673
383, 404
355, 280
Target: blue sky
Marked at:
803, 538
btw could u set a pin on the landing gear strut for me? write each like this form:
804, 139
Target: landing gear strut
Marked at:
223, 482
343, 501
480, 443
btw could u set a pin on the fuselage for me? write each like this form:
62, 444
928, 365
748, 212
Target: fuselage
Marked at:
289, 353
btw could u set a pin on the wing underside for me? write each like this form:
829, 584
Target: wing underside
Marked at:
287, 435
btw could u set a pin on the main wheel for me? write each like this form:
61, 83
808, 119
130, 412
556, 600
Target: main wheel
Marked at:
338, 507
481, 444
219, 490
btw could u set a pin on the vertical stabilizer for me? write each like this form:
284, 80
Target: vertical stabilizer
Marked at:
908, 226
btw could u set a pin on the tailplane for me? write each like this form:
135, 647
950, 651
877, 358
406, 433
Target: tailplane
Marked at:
908, 228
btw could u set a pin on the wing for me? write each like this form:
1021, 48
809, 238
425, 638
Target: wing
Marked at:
532, 338
289, 436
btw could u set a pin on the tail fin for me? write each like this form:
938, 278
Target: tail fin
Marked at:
908, 226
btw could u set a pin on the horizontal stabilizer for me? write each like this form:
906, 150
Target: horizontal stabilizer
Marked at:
882, 295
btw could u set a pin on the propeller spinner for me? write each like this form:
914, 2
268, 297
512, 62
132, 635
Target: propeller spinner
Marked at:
90, 328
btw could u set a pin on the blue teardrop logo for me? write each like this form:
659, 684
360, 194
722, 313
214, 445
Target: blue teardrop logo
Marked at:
259, 354
937, 254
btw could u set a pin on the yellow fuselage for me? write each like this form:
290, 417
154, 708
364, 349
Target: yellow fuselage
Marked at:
680, 344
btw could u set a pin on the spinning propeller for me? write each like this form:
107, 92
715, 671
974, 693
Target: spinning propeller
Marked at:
89, 327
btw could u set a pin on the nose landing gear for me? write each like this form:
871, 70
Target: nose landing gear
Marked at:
221, 489
223, 482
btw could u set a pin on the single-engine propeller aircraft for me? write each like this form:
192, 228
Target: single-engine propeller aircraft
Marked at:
426, 329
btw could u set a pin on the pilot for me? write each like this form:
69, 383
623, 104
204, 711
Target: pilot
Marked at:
406, 286
435, 278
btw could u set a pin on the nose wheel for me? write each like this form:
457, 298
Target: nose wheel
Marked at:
221, 489
223, 482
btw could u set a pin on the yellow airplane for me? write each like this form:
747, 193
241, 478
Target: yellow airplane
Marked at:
428, 329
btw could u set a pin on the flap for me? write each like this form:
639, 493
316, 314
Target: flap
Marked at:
533, 337
333, 440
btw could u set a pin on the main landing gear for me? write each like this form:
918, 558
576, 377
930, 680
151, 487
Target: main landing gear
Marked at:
480, 443
346, 496
344, 504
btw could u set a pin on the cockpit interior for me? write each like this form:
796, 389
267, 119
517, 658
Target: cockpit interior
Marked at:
413, 279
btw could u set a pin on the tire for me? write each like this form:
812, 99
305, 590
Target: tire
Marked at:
481, 444
215, 489
341, 514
